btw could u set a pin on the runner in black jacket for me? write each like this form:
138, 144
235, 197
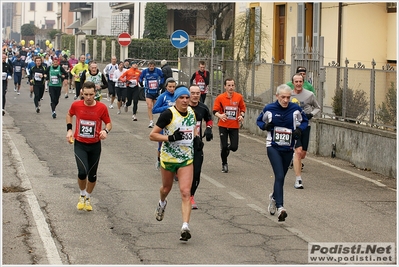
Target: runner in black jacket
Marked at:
201, 113
37, 79
5, 75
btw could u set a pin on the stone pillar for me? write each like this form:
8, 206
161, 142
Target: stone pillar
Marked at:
113, 48
79, 41
94, 56
103, 49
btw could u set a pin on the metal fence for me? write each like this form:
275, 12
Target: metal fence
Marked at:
354, 94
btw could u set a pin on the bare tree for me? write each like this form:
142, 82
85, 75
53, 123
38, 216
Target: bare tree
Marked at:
222, 12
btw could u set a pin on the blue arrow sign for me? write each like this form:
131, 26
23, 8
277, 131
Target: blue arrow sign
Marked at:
179, 39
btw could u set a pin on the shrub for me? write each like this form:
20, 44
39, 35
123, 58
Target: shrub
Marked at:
356, 104
386, 112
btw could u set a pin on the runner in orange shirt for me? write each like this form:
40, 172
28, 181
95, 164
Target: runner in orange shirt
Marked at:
131, 77
230, 108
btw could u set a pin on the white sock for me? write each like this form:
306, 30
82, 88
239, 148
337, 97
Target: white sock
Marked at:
88, 195
185, 225
162, 203
298, 178
83, 192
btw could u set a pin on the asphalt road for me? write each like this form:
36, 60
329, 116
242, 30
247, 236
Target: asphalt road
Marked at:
232, 226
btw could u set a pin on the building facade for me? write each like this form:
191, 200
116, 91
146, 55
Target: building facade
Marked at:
358, 31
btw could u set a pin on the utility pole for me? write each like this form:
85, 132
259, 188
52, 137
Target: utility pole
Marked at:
211, 70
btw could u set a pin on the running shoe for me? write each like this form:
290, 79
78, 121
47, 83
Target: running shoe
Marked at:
31, 94
54, 115
15, 89
151, 125
88, 206
272, 205
225, 168
292, 165
159, 212
292, 161
176, 178
119, 112
298, 184
126, 108
111, 106
282, 214
81, 203
185, 233
4, 112
75, 97
46, 90
37, 110
66, 96
18, 93
193, 204
134, 117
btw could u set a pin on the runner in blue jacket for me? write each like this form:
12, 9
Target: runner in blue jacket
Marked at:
151, 79
284, 122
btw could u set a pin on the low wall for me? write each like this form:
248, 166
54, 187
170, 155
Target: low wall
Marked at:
363, 146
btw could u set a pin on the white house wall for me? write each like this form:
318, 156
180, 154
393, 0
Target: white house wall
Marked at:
102, 11
392, 31
364, 34
368, 31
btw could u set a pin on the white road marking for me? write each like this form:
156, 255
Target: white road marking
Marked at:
331, 166
235, 195
42, 227
212, 181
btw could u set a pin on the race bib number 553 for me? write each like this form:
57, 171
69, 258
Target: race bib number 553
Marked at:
188, 135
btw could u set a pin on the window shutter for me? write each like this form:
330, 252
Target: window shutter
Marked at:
301, 25
316, 25
258, 26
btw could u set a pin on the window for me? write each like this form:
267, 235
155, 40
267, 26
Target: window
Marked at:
391, 7
49, 6
254, 21
32, 6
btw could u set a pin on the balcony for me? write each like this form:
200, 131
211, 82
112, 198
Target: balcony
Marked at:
79, 7
122, 5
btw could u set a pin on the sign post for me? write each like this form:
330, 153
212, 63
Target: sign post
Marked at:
124, 41
179, 39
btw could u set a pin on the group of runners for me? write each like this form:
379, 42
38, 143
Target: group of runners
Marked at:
178, 130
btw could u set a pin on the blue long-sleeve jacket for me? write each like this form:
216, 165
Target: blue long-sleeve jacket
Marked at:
164, 101
285, 120
152, 80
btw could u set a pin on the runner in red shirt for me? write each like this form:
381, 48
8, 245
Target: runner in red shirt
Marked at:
90, 114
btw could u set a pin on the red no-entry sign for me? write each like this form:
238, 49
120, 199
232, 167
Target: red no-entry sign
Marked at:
124, 39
